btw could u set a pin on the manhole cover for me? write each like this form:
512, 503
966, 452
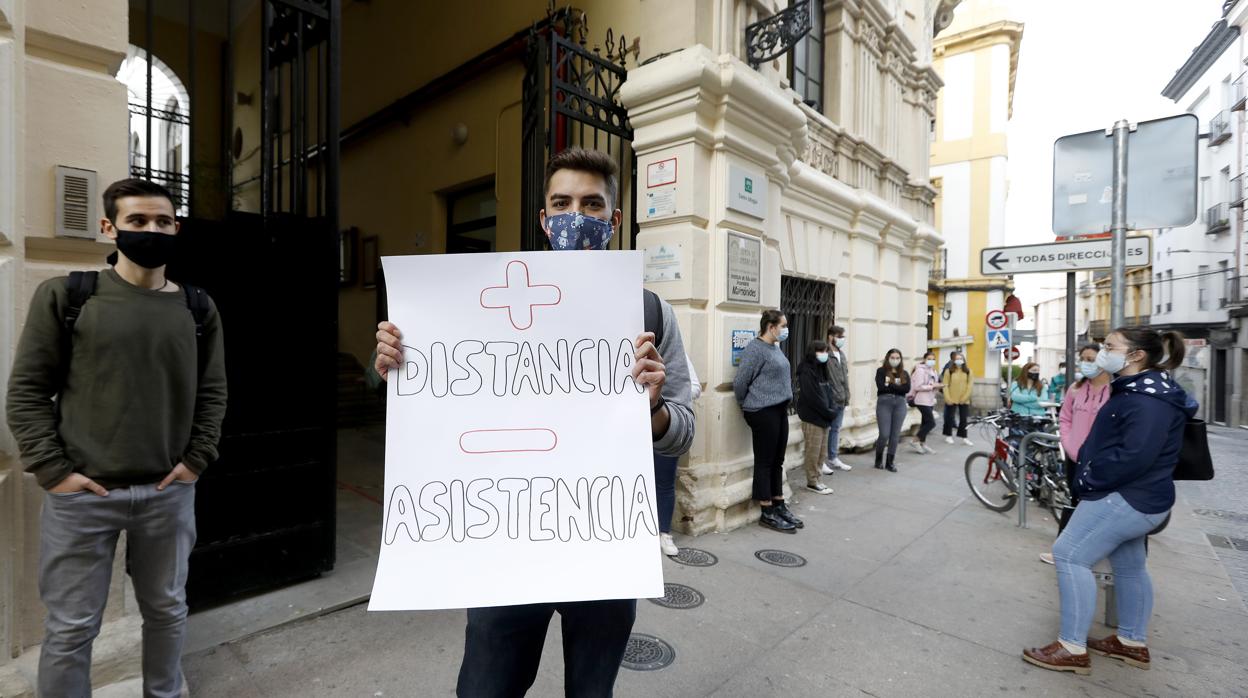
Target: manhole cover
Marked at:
647, 653
695, 558
679, 596
780, 558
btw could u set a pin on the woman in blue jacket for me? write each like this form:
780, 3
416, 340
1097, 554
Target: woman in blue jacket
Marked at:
1026, 391
1125, 483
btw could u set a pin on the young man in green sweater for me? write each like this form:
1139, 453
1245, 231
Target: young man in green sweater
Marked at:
117, 413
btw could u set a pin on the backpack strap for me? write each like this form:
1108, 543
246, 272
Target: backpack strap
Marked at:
197, 302
81, 288
653, 316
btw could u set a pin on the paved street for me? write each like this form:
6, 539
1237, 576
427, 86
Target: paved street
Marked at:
910, 588
1220, 506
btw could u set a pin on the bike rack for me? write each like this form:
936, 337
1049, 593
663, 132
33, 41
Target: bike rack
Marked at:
1020, 467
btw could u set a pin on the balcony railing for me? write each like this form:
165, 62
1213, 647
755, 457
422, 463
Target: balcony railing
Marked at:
1217, 219
936, 273
1237, 191
1219, 128
1239, 93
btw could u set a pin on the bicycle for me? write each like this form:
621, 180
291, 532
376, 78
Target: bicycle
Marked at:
993, 476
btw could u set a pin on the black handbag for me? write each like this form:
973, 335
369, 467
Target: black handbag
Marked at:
1195, 463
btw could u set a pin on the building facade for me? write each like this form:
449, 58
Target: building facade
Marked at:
977, 58
1195, 267
797, 181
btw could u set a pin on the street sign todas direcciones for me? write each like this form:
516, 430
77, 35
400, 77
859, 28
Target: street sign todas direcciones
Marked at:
1079, 255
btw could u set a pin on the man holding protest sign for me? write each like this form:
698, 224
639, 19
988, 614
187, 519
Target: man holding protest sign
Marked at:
503, 644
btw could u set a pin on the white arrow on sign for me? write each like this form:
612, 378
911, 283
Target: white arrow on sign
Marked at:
1062, 256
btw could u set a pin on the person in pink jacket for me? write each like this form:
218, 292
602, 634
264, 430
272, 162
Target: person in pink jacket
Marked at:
1079, 408
923, 387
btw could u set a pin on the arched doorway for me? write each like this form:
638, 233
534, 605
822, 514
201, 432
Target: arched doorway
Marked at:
159, 136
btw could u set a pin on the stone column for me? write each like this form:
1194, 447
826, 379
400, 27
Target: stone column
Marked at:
59, 105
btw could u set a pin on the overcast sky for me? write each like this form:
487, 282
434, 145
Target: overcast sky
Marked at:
1083, 65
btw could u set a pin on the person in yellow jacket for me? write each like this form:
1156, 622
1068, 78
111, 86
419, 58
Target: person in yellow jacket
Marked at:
958, 383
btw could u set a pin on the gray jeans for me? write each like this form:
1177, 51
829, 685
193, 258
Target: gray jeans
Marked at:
890, 413
77, 541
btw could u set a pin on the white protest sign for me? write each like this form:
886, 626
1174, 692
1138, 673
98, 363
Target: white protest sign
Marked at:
519, 466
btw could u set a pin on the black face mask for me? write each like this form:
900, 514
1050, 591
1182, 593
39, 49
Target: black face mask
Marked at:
146, 249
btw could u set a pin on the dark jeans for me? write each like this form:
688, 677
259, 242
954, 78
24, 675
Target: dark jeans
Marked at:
665, 489
961, 411
503, 647
890, 413
770, 428
929, 422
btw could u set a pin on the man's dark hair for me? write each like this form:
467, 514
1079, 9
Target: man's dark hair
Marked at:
584, 160
836, 331
132, 187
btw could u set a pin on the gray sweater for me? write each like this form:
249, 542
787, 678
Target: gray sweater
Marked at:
764, 377
676, 389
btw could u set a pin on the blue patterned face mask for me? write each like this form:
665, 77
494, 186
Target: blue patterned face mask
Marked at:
576, 231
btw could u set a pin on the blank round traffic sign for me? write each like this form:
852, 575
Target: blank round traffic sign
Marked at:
996, 319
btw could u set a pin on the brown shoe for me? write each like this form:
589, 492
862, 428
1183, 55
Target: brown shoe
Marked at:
1111, 647
1056, 658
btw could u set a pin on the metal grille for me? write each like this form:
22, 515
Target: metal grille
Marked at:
810, 307
571, 98
780, 558
694, 557
679, 596
647, 653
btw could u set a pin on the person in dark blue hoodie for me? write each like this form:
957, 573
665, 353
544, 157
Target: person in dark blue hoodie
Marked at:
1125, 483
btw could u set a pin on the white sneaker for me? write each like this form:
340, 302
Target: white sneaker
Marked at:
819, 488
842, 464
948, 439
1046, 558
825, 469
668, 545
916, 447
968, 442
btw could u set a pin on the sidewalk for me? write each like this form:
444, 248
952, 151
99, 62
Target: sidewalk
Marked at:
911, 588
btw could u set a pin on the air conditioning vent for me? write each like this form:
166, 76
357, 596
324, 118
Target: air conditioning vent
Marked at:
76, 196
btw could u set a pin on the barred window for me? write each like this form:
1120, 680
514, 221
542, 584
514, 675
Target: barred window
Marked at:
160, 124
806, 63
810, 307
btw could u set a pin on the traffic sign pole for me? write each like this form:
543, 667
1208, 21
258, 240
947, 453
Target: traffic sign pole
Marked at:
1118, 281
1070, 329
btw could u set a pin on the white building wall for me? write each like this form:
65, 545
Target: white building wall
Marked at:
1181, 252
957, 97
955, 216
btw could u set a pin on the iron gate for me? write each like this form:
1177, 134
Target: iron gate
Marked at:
265, 511
810, 308
571, 98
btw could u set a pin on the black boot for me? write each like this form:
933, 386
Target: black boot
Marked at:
890, 466
879, 460
771, 519
782, 510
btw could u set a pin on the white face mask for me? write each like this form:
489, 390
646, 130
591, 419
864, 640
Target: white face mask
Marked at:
931, 363
1111, 362
958, 362
821, 357
894, 362
840, 342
